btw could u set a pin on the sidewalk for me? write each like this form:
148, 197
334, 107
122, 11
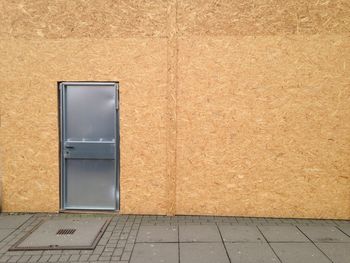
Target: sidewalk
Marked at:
191, 239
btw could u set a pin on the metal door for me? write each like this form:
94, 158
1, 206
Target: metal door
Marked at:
89, 145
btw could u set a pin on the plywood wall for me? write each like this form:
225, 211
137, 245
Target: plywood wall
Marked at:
227, 107
264, 117
45, 42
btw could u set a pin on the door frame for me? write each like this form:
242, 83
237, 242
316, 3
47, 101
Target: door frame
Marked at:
60, 95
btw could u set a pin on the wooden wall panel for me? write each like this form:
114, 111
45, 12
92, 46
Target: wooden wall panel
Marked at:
227, 107
81, 18
29, 144
263, 126
263, 17
262, 121
29, 71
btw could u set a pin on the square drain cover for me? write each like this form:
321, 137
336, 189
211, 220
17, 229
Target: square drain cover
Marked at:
67, 233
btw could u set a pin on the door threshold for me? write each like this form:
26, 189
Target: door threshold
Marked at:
77, 211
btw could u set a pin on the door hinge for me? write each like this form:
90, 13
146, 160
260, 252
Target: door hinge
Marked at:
117, 98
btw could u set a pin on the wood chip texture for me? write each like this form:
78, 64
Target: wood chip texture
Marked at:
226, 107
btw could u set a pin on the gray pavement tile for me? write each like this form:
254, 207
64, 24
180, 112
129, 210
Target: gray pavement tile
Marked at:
342, 222
118, 252
251, 253
104, 258
155, 252
106, 254
345, 229
126, 255
337, 252
94, 257
157, 234
15, 253
299, 253
84, 258
324, 234
239, 233
74, 257
283, 234
12, 221
203, 253
54, 258
14, 259
33, 252
5, 233
199, 233
51, 252
24, 258
44, 258
4, 258
64, 258
34, 258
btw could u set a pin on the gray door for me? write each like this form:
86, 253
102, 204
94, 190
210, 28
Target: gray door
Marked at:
89, 145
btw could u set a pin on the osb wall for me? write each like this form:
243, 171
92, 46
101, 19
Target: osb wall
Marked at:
227, 107
44, 42
263, 108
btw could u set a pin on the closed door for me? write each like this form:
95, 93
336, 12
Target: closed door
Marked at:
89, 145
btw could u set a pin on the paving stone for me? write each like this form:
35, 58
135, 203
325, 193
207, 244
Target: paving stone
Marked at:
299, 253
12, 221
54, 258
126, 255
240, 233
15, 253
106, 254
64, 258
14, 259
98, 249
24, 258
118, 252
34, 258
4, 249
129, 247
203, 253
251, 253
283, 234
52, 252
44, 258
345, 229
4, 258
94, 257
84, 258
74, 257
70, 252
199, 233
337, 252
155, 252
157, 234
5, 233
324, 234
104, 259
108, 249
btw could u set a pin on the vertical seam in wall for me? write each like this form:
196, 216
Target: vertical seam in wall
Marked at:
176, 89
171, 106
176, 50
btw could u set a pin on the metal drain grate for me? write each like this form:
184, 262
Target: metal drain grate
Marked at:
68, 231
64, 233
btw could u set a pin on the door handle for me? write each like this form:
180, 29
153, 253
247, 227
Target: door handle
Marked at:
69, 147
